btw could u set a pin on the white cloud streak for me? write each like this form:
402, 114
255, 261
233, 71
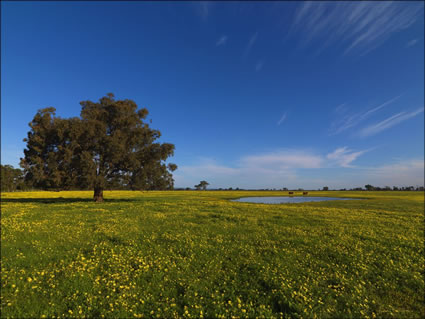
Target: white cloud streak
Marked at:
412, 43
283, 160
408, 172
388, 123
344, 156
359, 26
221, 41
204, 9
254, 171
264, 170
279, 169
341, 108
366, 115
353, 120
283, 118
251, 42
259, 65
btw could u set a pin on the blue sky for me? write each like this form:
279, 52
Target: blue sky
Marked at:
253, 95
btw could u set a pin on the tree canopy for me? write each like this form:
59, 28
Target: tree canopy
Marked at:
202, 185
11, 178
108, 146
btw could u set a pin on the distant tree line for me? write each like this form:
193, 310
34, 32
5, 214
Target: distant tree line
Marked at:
325, 188
12, 179
369, 187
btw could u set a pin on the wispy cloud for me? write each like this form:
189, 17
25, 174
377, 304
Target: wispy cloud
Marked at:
283, 160
265, 170
411, 43
221, 41
219, 175
251, 42
408, 172
342, 108
208, 168
366, 115
351, 120
344, 157
259, 65
388, 123
283, 118
402, 172
253, 171
358, 26
203, 9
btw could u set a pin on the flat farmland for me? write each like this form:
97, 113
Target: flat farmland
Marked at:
197, 254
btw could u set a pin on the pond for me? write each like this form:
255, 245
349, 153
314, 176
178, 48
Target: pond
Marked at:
286, 199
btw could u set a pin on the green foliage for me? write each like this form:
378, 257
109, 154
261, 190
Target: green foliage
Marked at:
202, 185
108, 146
369, 187
11, 179
52, 153
180, 254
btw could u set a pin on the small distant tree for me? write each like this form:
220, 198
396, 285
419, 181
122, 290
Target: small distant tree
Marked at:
369, 187
325, 188
202, 185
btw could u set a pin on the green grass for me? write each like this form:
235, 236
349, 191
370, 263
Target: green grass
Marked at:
194, 254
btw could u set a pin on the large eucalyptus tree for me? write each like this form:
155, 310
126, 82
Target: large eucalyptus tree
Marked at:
109, 144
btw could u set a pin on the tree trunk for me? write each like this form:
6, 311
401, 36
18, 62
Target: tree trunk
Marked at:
98, 195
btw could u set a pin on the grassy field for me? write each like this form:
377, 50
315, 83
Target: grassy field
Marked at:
196, 254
